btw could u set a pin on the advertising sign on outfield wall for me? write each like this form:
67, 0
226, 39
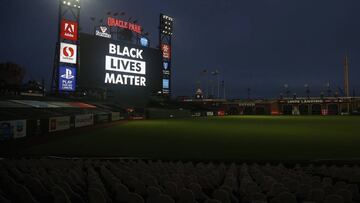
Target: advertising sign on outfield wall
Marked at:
102, 118
59, 123
209, 113
12, 129
115, 116
84, 120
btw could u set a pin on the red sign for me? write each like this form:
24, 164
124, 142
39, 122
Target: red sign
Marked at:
165, 48
69, 30
112, 22
221, 113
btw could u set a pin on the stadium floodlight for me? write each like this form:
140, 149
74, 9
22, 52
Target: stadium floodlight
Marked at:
166, 24
74, 3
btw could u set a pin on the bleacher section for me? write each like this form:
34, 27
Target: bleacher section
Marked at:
139, 181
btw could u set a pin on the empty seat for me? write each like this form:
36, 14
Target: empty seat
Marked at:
284, 197
165, 199
316, 195
333, 199
60, 196
135, 198
96, 196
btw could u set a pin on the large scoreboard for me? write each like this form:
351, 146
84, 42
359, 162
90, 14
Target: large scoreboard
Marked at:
128, 73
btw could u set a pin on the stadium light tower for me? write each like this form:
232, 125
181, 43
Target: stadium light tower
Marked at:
165, 36
217, 73
307, 90
166, 25
71, 3
68, 28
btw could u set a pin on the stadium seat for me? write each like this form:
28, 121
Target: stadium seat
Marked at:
186, 196
284, 197
197, 191
96, 196
165, 199
135, 198
51, 180
346, 195
153, 194
333, 199
212, 201
316, 195
121, 192
221, 195
60, 195
4, 200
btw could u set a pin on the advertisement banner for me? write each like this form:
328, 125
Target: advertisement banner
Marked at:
59, 123
115, 116
165, 48
67, 78
144, 42
209, 113
102, 118
68, 53
12, 129
166, 84
84, 120
103, 31
69, 30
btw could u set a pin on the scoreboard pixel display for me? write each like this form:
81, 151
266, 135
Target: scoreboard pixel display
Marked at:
129, 73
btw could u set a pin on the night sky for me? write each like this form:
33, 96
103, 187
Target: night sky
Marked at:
257, 44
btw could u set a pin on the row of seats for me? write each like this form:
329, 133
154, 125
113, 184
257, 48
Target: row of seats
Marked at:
140, 181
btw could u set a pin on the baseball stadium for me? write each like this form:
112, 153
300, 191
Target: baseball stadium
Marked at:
110, 130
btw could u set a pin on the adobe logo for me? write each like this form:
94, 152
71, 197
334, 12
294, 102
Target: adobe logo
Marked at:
69, 30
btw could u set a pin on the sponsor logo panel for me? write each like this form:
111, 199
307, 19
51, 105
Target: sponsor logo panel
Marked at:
69, 30
68, 53
166, 50
12, 129
103, 31
59, 123
84, 120
67, 80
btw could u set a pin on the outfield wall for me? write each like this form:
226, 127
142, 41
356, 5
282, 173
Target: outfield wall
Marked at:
14, 129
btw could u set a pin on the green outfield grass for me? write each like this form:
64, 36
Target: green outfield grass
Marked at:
233, 137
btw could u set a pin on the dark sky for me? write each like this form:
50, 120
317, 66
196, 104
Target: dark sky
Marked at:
257, 44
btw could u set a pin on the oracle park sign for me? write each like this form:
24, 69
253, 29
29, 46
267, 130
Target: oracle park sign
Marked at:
130, 74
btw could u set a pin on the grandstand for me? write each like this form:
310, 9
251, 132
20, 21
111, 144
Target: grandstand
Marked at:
155, 181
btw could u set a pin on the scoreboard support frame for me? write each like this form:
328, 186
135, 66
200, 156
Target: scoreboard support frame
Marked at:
68, 10
165, 38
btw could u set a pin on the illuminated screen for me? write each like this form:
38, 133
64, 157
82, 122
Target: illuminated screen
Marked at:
67, 78
129, 73
165, 83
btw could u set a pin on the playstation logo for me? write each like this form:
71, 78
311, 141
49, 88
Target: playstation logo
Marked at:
68, 74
